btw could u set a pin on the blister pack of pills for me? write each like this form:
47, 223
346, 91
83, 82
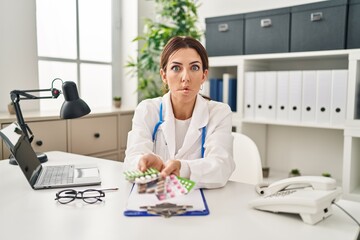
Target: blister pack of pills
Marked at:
152, 182
173, 186
136, 176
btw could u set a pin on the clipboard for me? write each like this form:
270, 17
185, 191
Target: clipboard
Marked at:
197, 195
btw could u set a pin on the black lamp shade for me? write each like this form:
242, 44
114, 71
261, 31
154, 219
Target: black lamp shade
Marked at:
73, 106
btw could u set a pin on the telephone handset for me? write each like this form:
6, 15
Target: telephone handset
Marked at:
309, 196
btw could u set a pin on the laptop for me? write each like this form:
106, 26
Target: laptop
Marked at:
39, 176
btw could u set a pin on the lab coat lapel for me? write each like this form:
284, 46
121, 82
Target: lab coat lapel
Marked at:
169, 125
199, 119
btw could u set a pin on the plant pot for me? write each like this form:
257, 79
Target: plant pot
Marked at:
265, 171
11, 108
117, 104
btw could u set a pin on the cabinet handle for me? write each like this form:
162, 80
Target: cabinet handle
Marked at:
317, 16
224, 27
97, 135
39, 143
337, 110
264, 23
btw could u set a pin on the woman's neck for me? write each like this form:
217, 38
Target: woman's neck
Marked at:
181, 110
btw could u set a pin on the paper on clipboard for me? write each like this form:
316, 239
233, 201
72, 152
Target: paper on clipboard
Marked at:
195, 198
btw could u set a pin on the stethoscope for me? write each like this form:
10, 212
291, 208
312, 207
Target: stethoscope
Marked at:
203, 134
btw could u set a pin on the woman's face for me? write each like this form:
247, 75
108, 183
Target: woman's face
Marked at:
184, 74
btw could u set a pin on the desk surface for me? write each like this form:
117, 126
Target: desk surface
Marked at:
26, 213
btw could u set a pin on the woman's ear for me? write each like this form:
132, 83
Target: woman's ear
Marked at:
163, 75
205, 76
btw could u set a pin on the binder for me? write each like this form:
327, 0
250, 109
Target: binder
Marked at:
259, 95
324, 79
195, 196
339, 93
270, 95
308, 106
295, 85
226, 78
214, 89
232, 93
282, 102
249, 95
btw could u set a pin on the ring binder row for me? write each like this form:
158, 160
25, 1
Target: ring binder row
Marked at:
311, 96
224, 89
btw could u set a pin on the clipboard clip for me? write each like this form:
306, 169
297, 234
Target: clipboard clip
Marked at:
167, 210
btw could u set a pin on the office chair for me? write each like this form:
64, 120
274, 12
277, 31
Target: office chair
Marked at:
247, 159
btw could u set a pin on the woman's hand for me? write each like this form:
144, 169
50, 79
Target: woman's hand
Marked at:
171, 167
150, 160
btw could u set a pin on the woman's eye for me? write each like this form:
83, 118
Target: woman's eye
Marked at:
175, 68
195, 68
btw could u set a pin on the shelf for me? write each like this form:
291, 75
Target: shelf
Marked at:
311, 147
294, 124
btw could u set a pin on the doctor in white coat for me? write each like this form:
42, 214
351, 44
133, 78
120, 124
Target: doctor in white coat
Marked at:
183, 133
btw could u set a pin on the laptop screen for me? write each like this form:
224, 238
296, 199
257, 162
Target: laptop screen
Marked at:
21, 149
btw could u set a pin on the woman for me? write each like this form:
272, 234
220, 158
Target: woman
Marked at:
182, 133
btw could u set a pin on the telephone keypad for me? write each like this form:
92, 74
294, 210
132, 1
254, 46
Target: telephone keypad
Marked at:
282, 193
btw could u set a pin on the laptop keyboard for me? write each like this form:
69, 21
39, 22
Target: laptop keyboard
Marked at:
55, 175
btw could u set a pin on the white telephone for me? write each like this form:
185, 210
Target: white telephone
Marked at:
309, 196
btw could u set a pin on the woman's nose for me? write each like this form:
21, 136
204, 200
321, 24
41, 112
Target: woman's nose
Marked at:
185, 76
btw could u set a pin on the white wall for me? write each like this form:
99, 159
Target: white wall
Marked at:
18, 53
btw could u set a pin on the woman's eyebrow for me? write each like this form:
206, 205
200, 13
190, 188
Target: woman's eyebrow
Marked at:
179, 63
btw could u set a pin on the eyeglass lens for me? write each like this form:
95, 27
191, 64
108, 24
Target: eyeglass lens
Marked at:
89, 196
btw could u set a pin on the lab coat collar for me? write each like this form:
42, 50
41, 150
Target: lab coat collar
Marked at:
199, 119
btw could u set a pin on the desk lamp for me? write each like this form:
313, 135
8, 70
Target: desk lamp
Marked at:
73, 107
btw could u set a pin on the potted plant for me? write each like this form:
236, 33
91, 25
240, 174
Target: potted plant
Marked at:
11, 108
326, 174
294, 172
173, 18
117, 101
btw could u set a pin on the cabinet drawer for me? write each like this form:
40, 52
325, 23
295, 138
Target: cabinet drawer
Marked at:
94, 135
318, 26
48, 136
267, 31
353, 33
225, 35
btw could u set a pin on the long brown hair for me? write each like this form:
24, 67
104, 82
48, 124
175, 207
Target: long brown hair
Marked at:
179, 42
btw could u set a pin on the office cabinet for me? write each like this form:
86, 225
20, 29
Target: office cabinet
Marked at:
353, 34
318, 26
49, 135
267, 31
100, 134
225, 35
285, 142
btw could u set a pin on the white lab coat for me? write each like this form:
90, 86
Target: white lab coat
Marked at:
214, 169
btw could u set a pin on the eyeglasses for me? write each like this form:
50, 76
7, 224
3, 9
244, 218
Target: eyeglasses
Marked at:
89, 196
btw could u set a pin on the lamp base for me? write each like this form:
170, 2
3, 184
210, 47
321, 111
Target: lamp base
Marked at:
41, 156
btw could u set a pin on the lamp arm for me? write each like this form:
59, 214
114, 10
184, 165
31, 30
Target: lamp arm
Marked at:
15, 98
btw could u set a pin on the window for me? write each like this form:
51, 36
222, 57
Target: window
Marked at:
75, 44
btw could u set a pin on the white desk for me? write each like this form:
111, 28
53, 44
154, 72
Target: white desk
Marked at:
29, 214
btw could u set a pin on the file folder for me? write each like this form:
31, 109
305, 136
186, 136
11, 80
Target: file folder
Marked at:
195, 197
295, 86
339, 94
308, 106
260, 95
282, 102
214, 88
270, 95
249, 95
324, 79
